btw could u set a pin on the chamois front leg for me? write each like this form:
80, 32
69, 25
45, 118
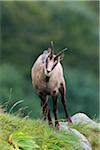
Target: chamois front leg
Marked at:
55, 108
62, 91
45, 108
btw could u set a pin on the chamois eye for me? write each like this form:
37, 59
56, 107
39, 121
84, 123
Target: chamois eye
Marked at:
50, 57
55, 60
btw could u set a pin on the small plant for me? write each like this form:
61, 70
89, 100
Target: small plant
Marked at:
14, 105
19, 140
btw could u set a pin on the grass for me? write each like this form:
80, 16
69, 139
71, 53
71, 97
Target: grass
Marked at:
15, 130
23, 133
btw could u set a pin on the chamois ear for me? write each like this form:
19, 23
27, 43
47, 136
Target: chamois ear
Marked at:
44, 56
60, 55
50, 52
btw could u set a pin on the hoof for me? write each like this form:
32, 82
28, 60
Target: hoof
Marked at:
51, 125
57, 126
69, 120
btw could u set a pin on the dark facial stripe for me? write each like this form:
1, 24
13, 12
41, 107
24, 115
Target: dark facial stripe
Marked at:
46, 62
54, 66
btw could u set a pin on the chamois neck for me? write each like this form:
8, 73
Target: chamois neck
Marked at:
47, 78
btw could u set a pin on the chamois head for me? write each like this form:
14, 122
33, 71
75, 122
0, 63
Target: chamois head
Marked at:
50, 60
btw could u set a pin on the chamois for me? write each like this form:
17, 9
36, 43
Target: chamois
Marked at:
47, 79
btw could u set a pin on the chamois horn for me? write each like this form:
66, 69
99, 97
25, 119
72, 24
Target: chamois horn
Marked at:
62, 51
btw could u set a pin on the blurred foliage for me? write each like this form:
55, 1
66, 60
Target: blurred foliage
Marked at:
27, 29
82, 90
8, 72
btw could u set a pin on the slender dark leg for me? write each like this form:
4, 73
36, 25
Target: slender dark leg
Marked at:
63, 99
55, 109
45, 108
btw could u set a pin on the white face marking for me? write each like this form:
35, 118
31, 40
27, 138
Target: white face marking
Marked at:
50, 62
49, 66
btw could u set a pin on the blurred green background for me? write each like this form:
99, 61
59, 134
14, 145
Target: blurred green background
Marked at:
27, 29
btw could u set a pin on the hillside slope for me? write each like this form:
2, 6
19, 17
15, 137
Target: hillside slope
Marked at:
23, 133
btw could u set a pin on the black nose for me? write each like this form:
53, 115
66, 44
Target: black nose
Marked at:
48, 71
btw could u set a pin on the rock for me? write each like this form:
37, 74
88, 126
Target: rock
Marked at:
84, 143
64, 125
83, 118
80, 118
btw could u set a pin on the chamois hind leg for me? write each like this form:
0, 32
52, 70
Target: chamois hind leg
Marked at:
62, 91
45, 108
55, 109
